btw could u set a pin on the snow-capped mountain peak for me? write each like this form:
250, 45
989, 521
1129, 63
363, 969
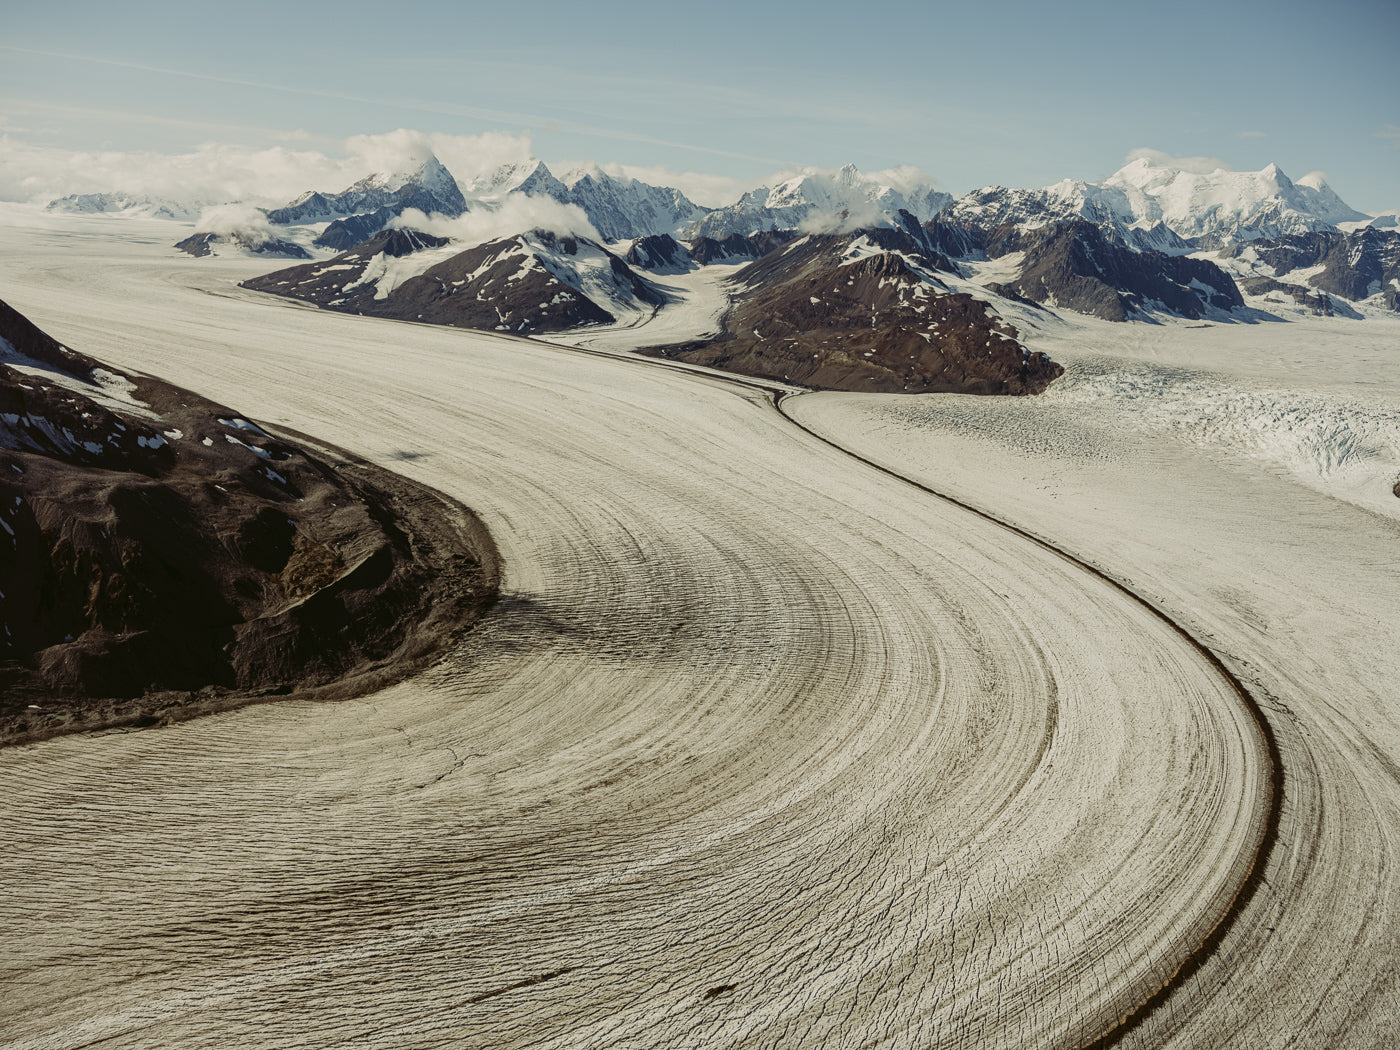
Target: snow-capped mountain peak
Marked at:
1152, 204
1224, 206
128, 204
816, 198
508, 178
540, 181
619, 207
1106, 207
430, 176
429, 187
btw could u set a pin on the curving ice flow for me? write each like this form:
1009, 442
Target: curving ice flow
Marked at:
1287, 574
762, 747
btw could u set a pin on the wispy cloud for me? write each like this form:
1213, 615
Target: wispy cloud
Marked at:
1392, 132
1252, 135
516, 214
113, 116
1197, 165
496, 116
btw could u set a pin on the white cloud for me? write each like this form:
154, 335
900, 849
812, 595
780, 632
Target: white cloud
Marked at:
470, 156
228, 219
1392, 132
401, 150
855, 216
1252, 135
516, 214
1195, 165
905, 178
210, 173
222, 173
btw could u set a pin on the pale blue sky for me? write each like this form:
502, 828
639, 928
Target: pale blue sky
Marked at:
974, 93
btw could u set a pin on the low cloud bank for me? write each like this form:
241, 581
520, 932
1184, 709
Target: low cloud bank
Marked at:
516, 214
217, 174
854, 217
244, 223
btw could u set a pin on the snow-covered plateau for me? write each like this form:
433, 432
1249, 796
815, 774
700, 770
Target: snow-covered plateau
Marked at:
817, 720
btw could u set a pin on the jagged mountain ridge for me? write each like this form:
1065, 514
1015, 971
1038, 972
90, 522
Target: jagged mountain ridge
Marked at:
430, 188
815, 200
995, 206
1075, 265
1355, 266
663, 254
1151, 206
620, 208
531, 282
865, 311
127, 204
1224, 207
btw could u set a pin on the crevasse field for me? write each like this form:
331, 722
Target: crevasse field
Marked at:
764, 746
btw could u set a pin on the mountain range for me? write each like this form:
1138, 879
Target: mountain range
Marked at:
844, 280
1152, 240
528, 283
127, 204
1147, 204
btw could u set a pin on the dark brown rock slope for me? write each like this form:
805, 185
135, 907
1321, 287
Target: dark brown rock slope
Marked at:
162, 556
866, 312
201, 245
1320, 303
525, 284
1074, 265
1354, 266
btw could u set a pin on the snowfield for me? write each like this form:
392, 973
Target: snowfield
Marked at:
764, 746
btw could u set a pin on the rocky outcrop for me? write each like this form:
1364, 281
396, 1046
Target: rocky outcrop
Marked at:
1354, 266
163, 555
344, 234
865, 312
659, 253
1074, 266
707, 250
201, 245
1319, 303
534, 282
622, 208
953, 239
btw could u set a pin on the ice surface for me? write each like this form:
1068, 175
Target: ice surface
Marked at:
727, 653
